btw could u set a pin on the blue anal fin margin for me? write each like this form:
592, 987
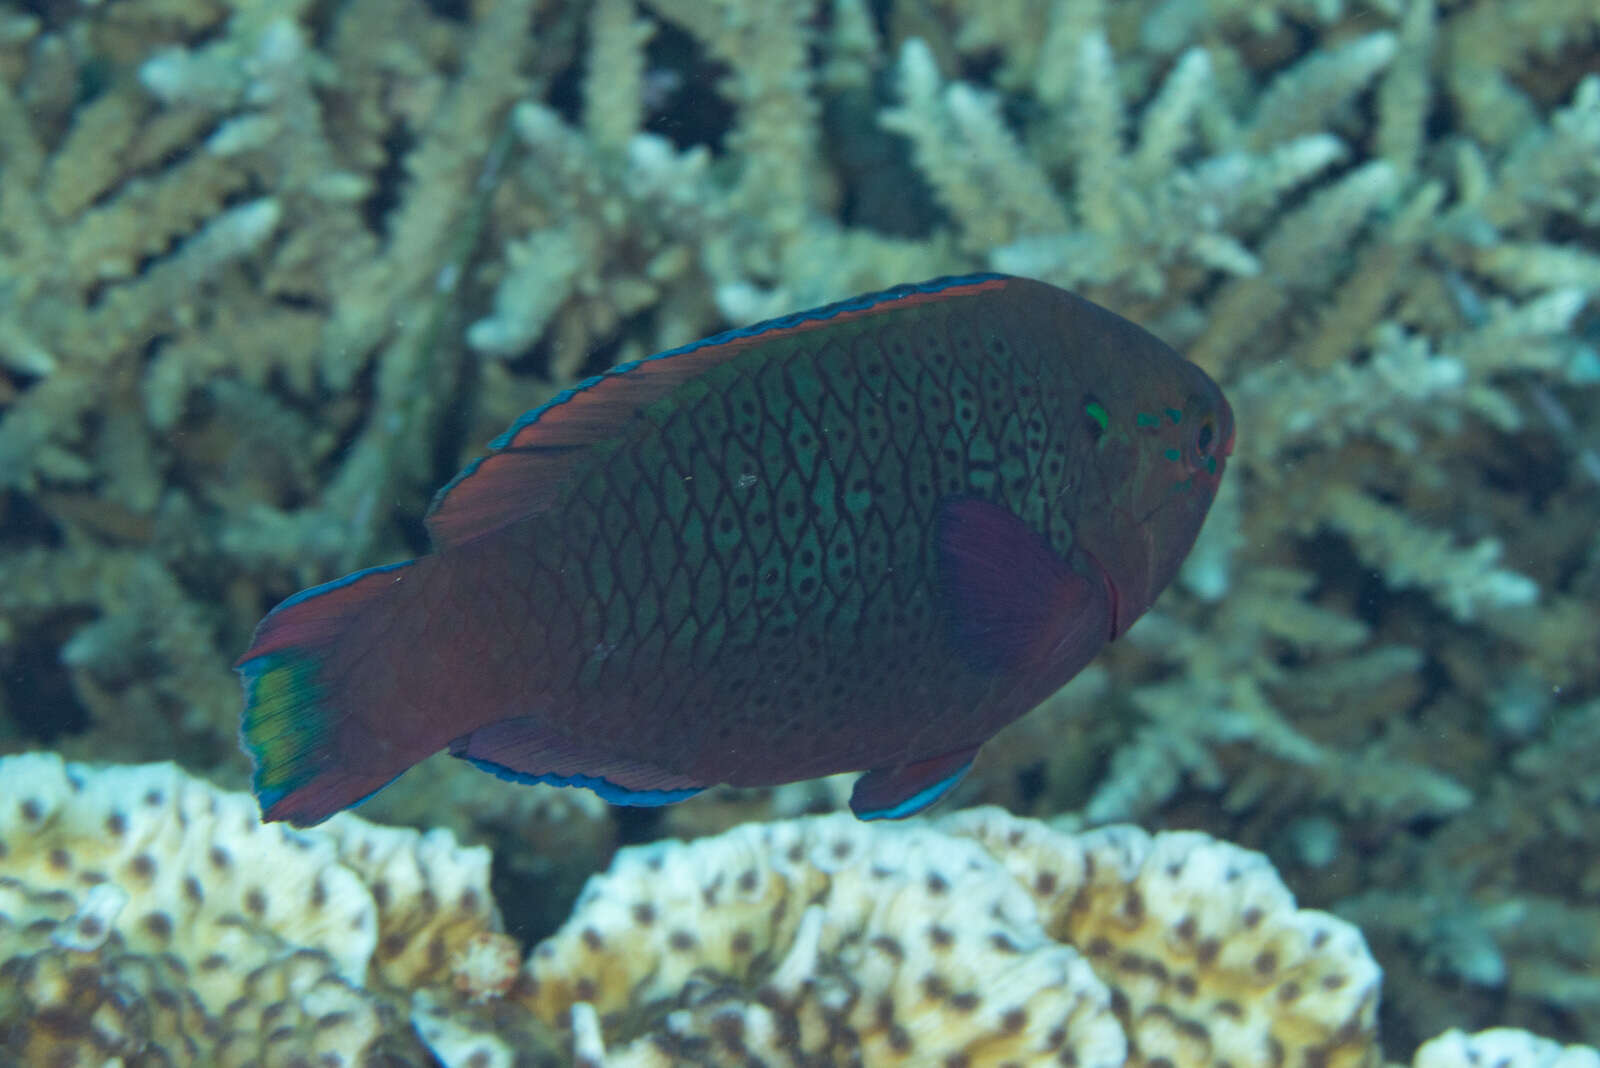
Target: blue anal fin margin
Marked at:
608, 791
895, 793
523, 750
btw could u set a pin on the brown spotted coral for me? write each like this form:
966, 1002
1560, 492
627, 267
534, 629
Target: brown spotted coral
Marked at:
1208, 959
820, 941
982, 939
1502, 1047
144, 912
148, 918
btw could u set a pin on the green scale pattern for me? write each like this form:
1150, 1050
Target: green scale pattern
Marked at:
752, 566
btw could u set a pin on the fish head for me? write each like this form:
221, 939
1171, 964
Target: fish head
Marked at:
1158, 449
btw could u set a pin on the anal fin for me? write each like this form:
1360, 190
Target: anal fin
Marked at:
523, 751
895, 793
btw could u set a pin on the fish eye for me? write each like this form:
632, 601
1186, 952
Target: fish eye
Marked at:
1200, 453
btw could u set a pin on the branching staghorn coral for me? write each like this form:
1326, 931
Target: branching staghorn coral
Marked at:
1467, 927
175, 361
1378, 330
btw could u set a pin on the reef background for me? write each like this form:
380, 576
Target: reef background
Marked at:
272, 270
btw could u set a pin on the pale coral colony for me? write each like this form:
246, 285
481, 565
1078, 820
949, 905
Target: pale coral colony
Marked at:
271, 269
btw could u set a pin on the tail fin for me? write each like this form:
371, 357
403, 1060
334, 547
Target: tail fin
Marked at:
293, 725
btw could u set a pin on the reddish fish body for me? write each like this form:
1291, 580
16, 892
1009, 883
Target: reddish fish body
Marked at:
860, 538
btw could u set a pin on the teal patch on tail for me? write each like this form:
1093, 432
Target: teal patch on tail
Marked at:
285, 728
301, 722
288, 730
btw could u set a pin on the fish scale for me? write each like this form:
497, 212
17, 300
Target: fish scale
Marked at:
805, 505
859, 538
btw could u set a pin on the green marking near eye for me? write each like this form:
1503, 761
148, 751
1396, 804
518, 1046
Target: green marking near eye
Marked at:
1173, 414
1146, 419
1211, 464
1172, 454
1098, 414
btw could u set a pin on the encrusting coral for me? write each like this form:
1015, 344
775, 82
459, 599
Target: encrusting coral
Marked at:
821, 941
143, 910
148, 917
1208, 958
977, 939
1502, 1048
271, 270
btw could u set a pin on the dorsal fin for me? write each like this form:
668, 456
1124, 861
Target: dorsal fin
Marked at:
529, 464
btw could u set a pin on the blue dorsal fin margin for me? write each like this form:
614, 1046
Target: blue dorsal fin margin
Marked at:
741, 333
519, 477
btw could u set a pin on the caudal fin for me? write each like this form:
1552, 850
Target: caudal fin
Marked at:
294, 727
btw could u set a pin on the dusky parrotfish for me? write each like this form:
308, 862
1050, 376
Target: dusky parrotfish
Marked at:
859, 538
